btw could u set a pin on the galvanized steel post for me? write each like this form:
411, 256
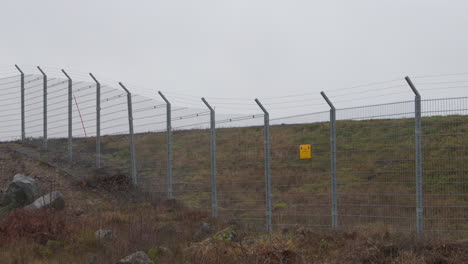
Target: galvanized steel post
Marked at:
23, 130
214, 197
334, 193
70, 117
169, 145
267, 166
419, 161
44, 103
132, 137
98, 121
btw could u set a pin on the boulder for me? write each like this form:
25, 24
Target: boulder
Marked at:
156, 253
30, 186
139, 257
105, 234
203, 230
52, 200
22, 191
226, 235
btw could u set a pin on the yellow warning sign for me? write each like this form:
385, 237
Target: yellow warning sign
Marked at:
305, 151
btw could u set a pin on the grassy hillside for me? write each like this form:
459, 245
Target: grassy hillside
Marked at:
375, 164
170, 233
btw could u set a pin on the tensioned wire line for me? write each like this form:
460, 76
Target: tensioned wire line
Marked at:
18, 92
184, 117
280, 97
9, 73
439, 75
435, 83
15, 81
440, 88
241, 118
296, 101
301, 94
63, 90
93, 99
82, 76
51, 92
9, 77
107, 107
40, 85
369, 97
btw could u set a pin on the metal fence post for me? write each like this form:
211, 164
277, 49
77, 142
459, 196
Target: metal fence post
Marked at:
98, 121
44, 102
334, 211
23, 131
419, 161
70, 117
267, 166
169, 145
214, 197
132, 137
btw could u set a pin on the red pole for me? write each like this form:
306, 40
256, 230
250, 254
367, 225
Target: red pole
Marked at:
82, 123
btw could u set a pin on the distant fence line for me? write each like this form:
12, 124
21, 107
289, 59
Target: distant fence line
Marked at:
401, 164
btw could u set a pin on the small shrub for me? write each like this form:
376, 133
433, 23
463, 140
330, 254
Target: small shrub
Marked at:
156, 253
35, 224
85, 241
44, 251
226, 235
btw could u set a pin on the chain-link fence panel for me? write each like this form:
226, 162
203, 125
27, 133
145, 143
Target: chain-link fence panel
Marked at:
10, 116
149, 117
301, 185
191, 175
241, 170
33, 104
445, 166
115, 142
376, 166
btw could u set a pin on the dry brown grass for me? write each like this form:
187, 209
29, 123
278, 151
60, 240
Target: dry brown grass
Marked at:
300, 245
50, 237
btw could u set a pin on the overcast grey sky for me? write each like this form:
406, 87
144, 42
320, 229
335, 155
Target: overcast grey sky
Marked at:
241, 48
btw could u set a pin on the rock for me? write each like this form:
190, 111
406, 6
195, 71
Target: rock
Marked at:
79, 212
226, 235
156, 253
52, 200
31, 187
203, 230
22, 191
139, 257
105, 234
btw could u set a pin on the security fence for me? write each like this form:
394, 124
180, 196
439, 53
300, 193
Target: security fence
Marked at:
400, 165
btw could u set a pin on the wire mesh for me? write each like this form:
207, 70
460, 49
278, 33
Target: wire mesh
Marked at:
10, 101
375, 152
83, 129
376, 166
150, 142
301, 187
445, 154
191, 158
241, 170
